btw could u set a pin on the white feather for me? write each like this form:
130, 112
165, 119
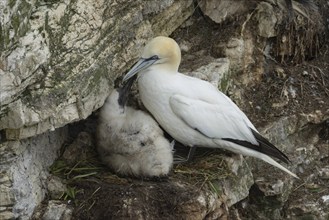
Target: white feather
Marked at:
212, 120
131, 142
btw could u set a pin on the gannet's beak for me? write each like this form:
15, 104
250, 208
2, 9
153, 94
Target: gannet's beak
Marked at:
142, 64
125, 90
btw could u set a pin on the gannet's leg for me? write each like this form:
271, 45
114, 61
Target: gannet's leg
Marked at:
179, 159
191, 153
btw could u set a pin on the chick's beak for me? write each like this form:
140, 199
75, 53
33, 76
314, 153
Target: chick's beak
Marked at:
142, 64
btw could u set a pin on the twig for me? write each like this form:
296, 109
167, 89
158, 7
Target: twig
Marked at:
267, 55
322, 79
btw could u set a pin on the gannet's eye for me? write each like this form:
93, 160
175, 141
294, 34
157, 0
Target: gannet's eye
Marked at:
155, 57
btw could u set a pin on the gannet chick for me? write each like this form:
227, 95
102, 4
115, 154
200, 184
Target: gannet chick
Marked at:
130, 141
193, 111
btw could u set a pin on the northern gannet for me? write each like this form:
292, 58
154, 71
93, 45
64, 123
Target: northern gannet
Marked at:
193, 111
131, 141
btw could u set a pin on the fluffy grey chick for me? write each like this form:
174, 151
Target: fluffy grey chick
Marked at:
130, 141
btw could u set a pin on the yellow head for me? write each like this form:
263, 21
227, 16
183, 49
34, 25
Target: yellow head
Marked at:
161, 51
166, 49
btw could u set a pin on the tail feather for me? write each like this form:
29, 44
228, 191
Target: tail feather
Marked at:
276, 164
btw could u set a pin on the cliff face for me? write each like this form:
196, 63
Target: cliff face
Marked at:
59, 60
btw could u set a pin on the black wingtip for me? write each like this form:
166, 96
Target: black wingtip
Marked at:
268, 148
264, 146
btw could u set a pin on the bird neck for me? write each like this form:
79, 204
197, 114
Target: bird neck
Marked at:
165, 68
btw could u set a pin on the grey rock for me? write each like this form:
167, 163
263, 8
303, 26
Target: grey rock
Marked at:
67, 54
6, 214
55, 186
79, 149
236, 50
236, 188
56, 210
305, 209
216, 72
24, 171
267, 20
296, 135
6, 196
221, 10
324, 173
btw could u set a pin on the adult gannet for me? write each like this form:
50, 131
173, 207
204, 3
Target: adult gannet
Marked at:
129, 140
193, 111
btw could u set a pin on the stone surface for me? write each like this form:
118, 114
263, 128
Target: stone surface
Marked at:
56, 210
296, 135
221, 10
267, 20
67, 55
24, 171
236, 50
216, 72
235, 189
79, 150
56, 188
324, 173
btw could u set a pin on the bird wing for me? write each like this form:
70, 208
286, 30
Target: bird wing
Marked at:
213, 120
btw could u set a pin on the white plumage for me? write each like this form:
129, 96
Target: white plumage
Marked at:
130, 141
193, 111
